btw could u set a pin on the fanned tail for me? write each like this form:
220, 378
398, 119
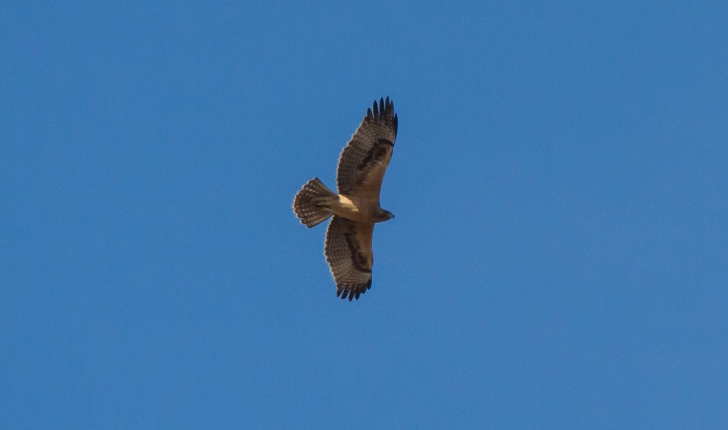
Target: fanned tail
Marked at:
312, 204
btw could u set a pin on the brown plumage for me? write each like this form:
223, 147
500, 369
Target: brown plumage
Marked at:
355, 209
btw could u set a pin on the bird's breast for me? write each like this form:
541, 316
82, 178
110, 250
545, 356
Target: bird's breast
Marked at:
353, 209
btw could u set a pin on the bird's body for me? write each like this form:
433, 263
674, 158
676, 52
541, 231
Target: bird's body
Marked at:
355, 209
359, 209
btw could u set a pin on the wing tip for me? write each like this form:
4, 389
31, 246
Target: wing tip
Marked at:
383, 112
352, 291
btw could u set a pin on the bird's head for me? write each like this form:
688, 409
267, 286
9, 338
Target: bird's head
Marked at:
384, 215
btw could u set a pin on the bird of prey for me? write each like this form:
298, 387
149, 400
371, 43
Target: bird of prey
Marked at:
355, 209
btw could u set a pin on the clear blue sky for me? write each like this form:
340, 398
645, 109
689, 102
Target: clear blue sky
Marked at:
558, 260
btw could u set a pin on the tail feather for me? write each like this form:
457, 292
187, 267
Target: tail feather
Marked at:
312, 203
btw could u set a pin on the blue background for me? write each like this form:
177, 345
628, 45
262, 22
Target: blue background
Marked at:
559, 256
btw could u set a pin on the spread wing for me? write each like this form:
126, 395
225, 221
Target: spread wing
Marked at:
348, 251
365, 158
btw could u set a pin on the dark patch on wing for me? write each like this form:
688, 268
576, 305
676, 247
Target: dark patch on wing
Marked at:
358, 259
376, 153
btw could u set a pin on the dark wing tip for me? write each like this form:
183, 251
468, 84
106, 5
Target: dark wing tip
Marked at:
383, 112
352, 291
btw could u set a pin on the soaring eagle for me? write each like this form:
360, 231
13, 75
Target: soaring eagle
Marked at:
355, 209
